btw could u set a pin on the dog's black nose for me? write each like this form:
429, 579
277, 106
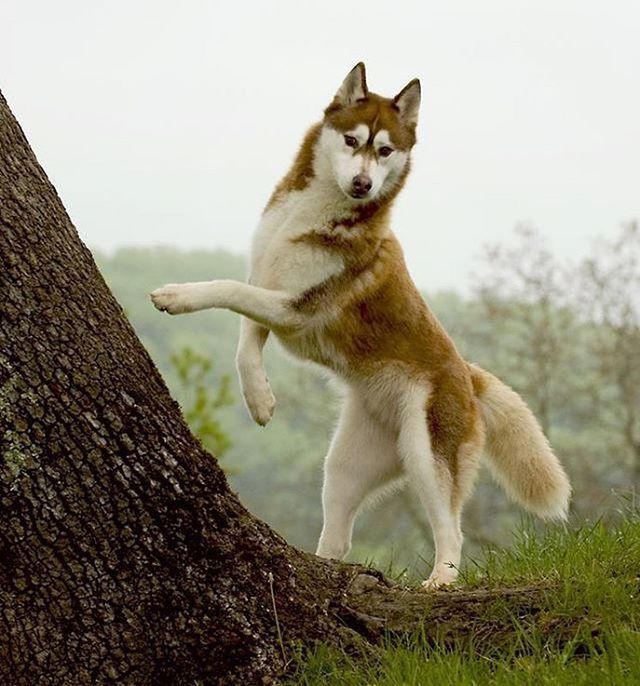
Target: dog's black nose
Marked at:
361, 184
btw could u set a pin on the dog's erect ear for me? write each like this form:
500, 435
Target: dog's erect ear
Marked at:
353, 88
408, 102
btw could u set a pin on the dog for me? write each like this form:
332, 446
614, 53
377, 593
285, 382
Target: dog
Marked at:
328, 278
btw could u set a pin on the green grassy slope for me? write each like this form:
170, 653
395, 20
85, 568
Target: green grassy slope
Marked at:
582, 625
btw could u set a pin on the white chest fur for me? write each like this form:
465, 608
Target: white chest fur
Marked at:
278, 261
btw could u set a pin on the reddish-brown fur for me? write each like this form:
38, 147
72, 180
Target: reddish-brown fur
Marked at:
381, 320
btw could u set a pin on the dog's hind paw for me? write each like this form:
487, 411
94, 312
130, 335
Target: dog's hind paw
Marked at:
442, 575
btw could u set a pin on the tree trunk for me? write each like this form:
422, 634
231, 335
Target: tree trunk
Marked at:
124, 557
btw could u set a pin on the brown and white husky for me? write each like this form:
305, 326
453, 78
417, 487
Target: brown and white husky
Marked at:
328, 278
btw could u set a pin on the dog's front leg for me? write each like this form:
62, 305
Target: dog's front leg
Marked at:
253, 378
270, 308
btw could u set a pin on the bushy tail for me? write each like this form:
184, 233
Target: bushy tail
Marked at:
520, 457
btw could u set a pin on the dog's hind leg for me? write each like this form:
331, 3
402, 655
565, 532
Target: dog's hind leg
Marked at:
362, 459
433, 483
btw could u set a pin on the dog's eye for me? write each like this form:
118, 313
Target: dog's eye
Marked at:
385, 151
351, 141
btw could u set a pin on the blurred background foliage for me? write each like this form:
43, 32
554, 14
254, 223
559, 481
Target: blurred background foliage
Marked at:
566, 336
203, 394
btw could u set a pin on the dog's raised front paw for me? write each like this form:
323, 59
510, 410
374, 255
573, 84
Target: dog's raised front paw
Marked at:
173, 298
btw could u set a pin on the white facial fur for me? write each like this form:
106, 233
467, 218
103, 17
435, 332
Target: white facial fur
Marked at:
344, 163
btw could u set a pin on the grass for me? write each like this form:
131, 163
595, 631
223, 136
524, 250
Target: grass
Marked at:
586, 629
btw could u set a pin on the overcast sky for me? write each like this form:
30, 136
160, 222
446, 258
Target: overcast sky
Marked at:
170, 122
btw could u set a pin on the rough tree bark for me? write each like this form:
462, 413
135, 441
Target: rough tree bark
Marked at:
124, 556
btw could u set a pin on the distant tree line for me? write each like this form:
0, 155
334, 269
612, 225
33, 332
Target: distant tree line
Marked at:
568, 337
565, 335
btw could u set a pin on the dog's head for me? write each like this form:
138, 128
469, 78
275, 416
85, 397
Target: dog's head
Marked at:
366, 139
